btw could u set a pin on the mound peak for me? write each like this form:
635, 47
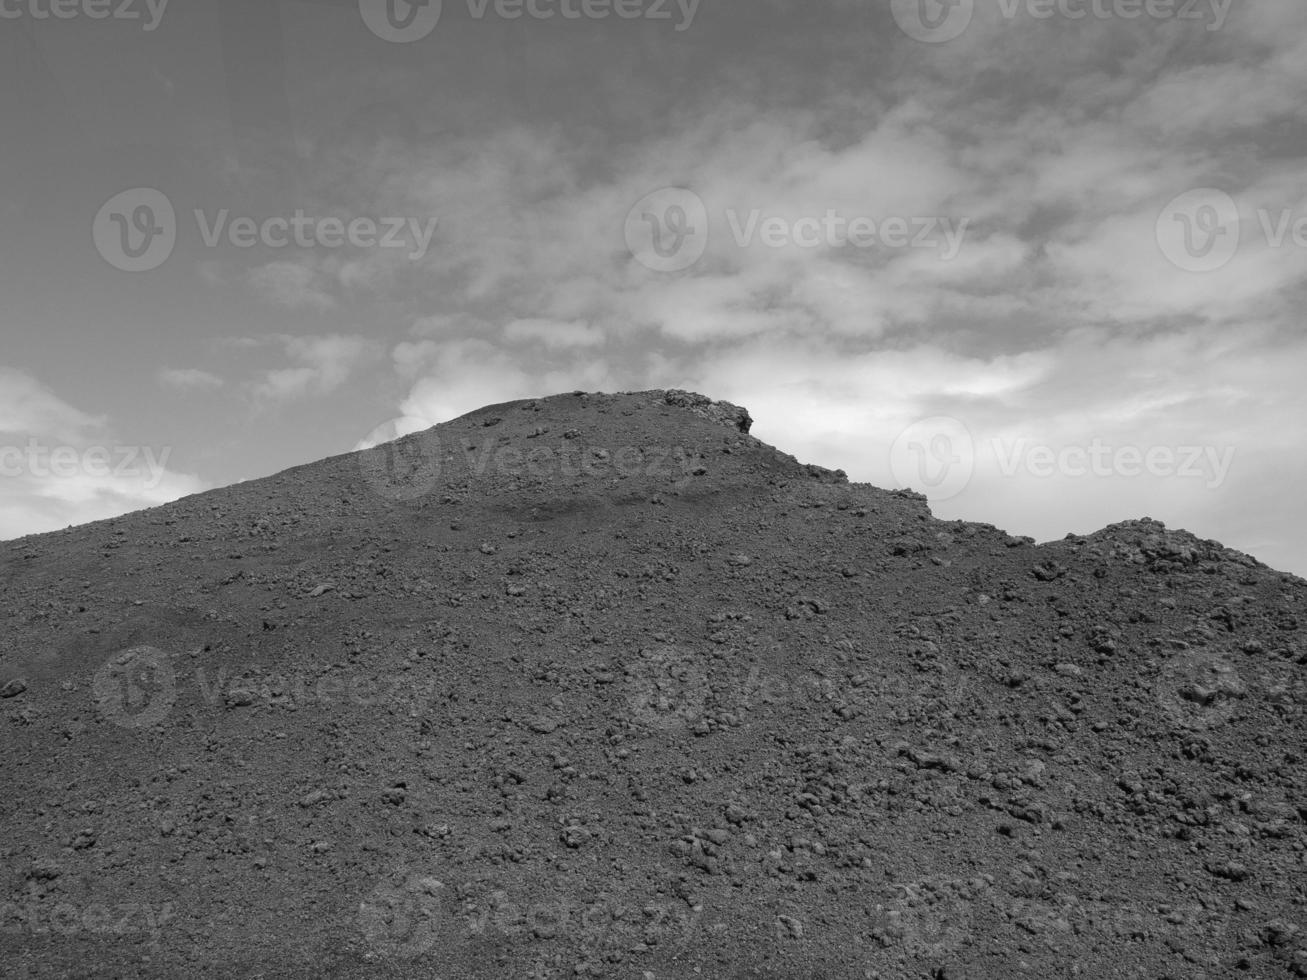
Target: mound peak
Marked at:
701, 405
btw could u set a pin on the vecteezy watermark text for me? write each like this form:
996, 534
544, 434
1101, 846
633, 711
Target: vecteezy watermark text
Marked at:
305, 231
1202, 230
408, 913
1208, 463
138, 688
137, 230
150, 11
411, 466
406, 21
940, 21
1181, 10
667, 230
66, 919
834, 230
99, 462
939, 457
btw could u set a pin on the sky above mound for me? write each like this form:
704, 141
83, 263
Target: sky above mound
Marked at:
1042, 261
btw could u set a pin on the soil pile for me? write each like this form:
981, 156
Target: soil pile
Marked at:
603, 686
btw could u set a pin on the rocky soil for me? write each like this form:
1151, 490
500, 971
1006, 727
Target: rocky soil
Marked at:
603, 686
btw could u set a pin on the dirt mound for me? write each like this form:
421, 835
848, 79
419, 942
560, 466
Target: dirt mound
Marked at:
604, 686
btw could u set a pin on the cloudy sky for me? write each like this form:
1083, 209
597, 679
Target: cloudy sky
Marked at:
1042, 260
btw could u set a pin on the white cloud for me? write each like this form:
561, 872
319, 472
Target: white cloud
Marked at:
320, 365
27, 406
61, 466
188, 379
553, 333
469, 374
296, 285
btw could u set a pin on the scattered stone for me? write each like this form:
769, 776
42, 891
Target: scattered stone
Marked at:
788, 927
44, 869
1230, 870
239, 697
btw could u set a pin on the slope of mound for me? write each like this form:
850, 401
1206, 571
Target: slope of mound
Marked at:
604, 686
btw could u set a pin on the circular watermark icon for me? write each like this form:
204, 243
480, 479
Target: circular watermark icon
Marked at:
936, 456
400, 918
932, 917
667, 231
933, 21
667, 688
1199, 230
137, 688
401, 21
136, 230
1198, 689
400, 459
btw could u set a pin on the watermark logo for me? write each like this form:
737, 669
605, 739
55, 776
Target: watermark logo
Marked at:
306, 231
612, 922
1208, 463
1160, 10
935, 456
401, 21
405, 21
1202, 230
1199, 689
97, 919
588, 10
401, 463
1084, 928
400, 918
667, 688
933, 21
150, 12
270, 689
939, 457
136, 230
576, 459
667, 231
834, 230
401, 459
98, 462
939, 686
939, 21
136, 689
1198, 231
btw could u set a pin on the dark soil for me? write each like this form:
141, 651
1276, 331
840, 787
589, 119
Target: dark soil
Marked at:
602, 686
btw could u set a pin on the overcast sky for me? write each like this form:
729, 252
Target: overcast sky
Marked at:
1043, 261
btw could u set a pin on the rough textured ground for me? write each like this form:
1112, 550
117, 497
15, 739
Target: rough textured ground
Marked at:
602, 686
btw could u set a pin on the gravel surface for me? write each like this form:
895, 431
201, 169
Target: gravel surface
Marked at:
603, 686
